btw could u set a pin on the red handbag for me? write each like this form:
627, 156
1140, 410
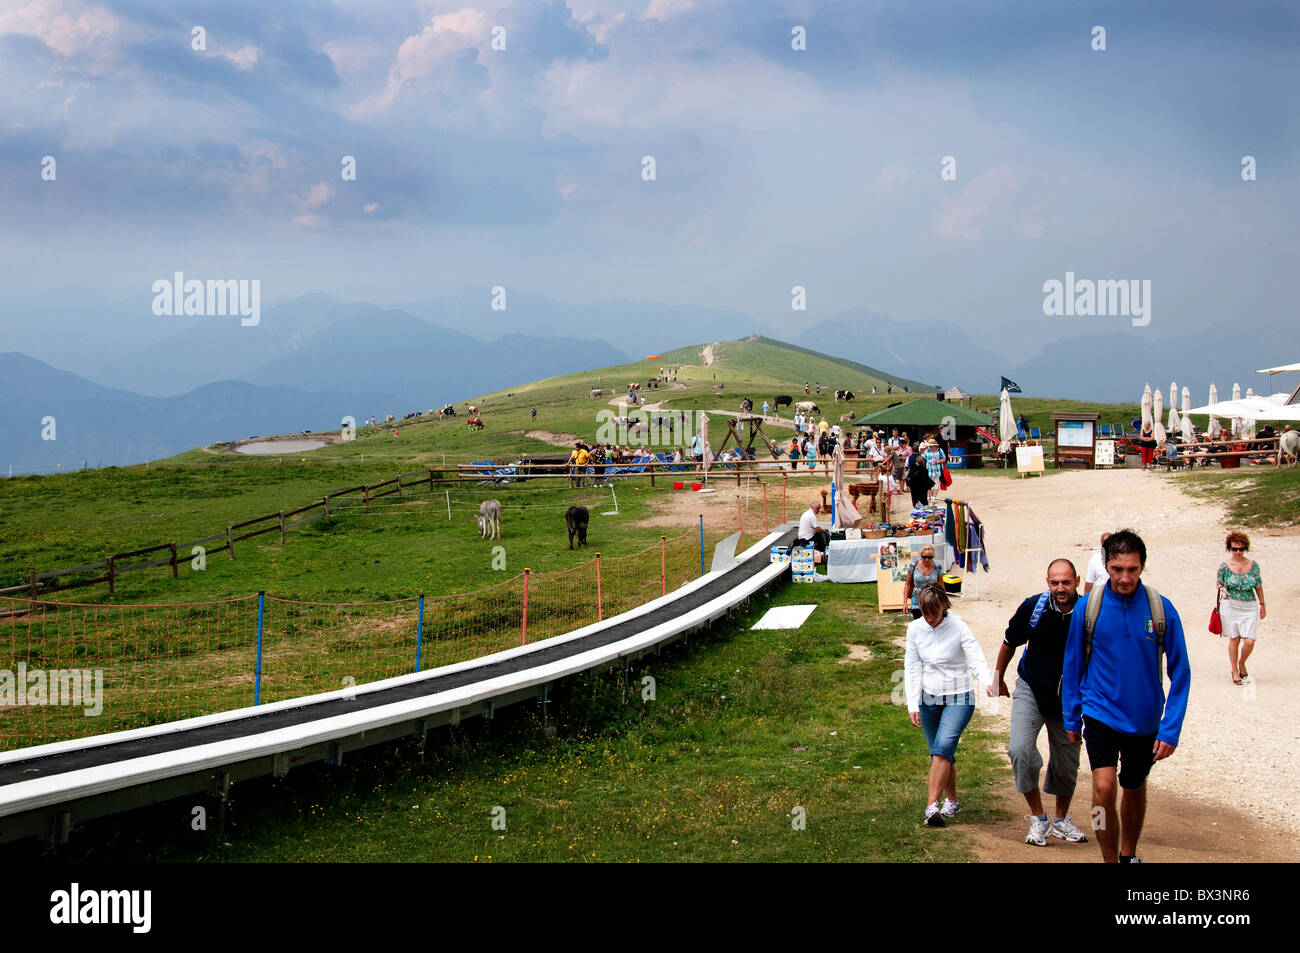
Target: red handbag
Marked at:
1216, 623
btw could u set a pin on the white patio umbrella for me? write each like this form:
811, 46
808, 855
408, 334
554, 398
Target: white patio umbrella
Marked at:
1214, 428
1189, 432
1157, 411
1146, 407
846, 514
1175, 422
1173, 394
1248, 423
1006, 422
1236, 421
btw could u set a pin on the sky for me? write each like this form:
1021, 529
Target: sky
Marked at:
774, 167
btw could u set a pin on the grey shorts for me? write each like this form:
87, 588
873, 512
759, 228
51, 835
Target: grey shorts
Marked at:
1026, 763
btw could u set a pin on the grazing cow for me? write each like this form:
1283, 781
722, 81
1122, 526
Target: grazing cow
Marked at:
807, 407
845, 418
474, 423
785, 400
473, 410
596, 392
489, 520
1288, 445
844, 395
576, 519
389, 418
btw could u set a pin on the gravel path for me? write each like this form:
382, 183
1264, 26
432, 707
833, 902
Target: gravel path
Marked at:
1236, 756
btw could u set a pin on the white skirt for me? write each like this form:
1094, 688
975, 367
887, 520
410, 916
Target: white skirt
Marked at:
1240, 619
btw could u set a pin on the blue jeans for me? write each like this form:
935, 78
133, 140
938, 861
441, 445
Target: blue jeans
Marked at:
943, 719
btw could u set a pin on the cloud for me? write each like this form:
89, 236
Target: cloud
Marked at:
86, 31
427, 58
979, 204
316, 197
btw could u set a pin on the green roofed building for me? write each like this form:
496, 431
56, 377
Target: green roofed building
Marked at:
927, 415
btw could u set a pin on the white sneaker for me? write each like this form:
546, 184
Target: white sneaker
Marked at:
1065, 829
934, 815
1038, 829
950, 807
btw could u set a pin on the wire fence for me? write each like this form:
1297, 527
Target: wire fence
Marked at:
78, 670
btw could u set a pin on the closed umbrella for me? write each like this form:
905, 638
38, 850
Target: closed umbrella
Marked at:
1157, 411
846, 514
1173, 394
1006, 422
1248, 423
704, 443
1236, 421
1214, 429
1175, 424
1146, 407
1189, 433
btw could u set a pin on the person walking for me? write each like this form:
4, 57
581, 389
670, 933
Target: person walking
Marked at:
934, 461
941, 651
921, 572
534, 413
1112, 689
1041, 624
1096, 567
1240, 590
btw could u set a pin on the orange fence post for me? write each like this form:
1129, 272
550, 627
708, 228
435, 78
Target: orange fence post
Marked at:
663, 565
523, 634
784, 480
740, 513
600, 613
767, 528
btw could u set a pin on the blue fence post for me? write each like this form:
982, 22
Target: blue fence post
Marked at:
832, 504
701, 544
419, 633
257, 677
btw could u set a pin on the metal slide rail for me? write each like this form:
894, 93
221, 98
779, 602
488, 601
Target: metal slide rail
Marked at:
42, 788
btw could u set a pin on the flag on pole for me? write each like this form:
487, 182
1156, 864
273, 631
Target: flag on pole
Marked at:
1010, 386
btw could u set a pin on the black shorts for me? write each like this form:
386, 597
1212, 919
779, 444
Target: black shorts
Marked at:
1107, 747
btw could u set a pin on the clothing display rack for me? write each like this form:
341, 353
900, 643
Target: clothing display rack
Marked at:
970, 570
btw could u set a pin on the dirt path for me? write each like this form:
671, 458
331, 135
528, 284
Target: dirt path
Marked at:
1236, 756
706, 354
566, 440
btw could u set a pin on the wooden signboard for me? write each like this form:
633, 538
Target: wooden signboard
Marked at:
890, 584
1029, 460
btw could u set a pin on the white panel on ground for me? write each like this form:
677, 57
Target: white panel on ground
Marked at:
784, 617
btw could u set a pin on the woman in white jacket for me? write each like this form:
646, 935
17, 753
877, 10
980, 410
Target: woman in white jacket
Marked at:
941, 652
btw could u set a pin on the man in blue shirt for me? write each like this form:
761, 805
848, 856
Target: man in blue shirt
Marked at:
1112, 687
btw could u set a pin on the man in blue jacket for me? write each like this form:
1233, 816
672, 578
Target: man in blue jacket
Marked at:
1111, 686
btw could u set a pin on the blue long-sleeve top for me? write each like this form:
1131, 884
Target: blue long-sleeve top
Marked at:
1122, 687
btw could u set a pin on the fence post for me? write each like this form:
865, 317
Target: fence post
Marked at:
326, 501
523, 626
257, 675
109, 560
701, 544
785, 479
767, 527
175, 574
419, 633
31, 580
832, 504
600, 609
282, 527
663, 565
230, 543
740, 514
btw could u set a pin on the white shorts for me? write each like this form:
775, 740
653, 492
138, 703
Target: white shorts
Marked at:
1240, 619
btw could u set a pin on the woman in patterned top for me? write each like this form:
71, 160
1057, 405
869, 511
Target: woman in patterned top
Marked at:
934, 461
1240, 587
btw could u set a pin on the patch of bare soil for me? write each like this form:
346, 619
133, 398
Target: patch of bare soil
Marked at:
565, 440
857, 653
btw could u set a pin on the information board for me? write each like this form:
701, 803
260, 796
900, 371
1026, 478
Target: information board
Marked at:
1074, 433
1104, 455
